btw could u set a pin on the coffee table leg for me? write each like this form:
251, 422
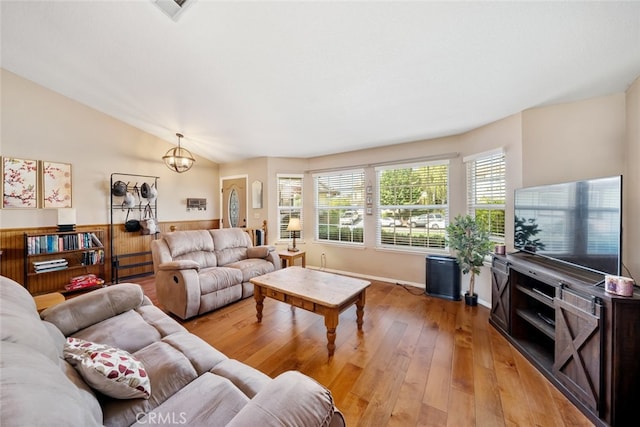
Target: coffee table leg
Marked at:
259, 297
331, 322
360, 310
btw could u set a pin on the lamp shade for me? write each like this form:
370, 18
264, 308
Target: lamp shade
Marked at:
178, 159
66, 216
66, 219
294, 224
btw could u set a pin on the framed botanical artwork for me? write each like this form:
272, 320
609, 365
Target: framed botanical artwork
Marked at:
19, 183
56, 185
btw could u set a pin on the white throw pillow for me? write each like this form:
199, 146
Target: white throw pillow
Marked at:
109, 370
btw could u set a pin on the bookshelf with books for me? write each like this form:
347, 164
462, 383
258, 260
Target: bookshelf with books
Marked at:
54, 261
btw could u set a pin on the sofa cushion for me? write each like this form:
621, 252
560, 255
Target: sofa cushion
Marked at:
217, 402
111, 371
215, 279
249, 380
128, 331
252, 267
76, 314
258, 252
291, 399
230, 244
35, 391
21, 324
203, 357
168, 369
184, 242
155, 317
89, 400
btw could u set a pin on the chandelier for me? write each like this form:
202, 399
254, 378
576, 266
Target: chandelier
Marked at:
178, 159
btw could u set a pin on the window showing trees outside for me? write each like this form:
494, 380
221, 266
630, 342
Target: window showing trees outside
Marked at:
289, 204
340, 206
486, 191
412, 206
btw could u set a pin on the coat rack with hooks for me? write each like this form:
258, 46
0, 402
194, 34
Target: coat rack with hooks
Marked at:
126, 196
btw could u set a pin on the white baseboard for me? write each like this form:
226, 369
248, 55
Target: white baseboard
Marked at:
384, 279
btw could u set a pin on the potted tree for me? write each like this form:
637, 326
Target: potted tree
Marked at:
471, 244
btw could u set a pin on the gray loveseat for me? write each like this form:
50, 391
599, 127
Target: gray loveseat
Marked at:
191, 383
197, 271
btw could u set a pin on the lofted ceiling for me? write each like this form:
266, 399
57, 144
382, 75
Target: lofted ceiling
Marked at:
301, 79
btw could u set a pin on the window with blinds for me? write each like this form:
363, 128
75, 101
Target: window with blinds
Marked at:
289, 204
340, 206
412, 205
486, 191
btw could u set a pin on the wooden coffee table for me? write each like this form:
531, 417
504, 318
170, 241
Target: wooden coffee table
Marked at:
320, 292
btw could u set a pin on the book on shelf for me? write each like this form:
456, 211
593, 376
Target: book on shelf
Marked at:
51, 265
52, 243
92, 257
50, 262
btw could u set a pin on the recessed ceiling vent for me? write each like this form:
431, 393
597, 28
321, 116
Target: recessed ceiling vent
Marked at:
173, 8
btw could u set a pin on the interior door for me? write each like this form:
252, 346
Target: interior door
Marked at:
234, 203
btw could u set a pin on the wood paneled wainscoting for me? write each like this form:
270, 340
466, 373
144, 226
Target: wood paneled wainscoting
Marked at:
12, 245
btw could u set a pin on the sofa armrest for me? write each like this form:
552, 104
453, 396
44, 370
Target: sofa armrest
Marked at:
185, 264
258, 252
273, 257
94, 307
291, 399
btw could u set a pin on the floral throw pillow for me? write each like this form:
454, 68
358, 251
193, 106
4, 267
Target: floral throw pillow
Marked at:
109, 370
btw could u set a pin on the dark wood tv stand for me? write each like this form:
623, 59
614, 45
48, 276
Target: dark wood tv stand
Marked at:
584, 340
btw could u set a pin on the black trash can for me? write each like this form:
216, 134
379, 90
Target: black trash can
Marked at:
443, 277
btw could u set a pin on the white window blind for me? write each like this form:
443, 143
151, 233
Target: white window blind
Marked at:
413, 205
486, 191
289, 204
340, 206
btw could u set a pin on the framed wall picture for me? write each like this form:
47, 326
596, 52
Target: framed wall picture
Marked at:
19, 183
56, 185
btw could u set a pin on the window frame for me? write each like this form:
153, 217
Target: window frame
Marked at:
335, 212
283, 235
493, 164
431, 240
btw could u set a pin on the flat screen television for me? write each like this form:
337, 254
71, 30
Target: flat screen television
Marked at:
579, 223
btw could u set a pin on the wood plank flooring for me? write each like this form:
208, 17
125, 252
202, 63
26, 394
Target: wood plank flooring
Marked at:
419, 361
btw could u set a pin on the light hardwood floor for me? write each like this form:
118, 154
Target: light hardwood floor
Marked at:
419, 361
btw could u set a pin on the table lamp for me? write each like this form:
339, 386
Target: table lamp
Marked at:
294, 226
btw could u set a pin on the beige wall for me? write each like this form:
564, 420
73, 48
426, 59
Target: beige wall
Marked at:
595, 137
395, 266
43, 125
573, 141
631, 185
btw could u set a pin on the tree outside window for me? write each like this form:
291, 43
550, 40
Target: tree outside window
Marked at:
340, 212
412, 205
486, 191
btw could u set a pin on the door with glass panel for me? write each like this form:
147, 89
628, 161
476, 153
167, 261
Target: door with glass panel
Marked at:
234, 203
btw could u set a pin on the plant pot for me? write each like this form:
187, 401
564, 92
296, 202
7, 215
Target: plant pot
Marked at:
471, 300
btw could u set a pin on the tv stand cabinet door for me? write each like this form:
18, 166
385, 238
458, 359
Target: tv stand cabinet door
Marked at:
500, 295
578, 348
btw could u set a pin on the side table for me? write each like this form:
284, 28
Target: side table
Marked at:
288, 258
48, 300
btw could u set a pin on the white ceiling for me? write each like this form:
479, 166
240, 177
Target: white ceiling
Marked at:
301, 79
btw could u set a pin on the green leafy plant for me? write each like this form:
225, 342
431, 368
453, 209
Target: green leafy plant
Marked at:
471, 244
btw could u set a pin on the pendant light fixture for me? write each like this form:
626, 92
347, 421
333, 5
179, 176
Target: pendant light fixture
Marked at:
178, 159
